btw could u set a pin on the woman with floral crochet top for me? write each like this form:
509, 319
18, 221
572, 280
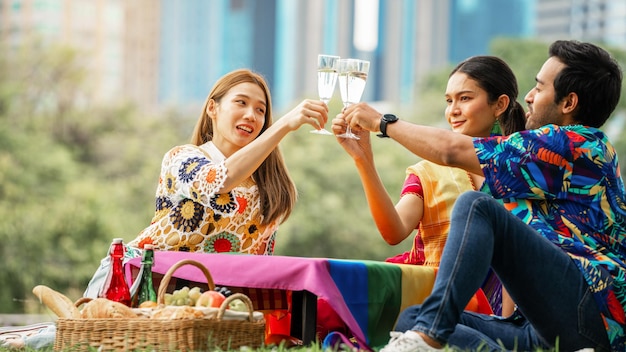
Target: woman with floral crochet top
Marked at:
229, 190
481, 101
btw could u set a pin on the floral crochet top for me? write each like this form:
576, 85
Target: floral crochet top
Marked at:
193, 215
565, 182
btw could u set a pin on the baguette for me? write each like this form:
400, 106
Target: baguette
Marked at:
57, 302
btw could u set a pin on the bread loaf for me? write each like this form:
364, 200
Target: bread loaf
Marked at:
102, 308
57, 302
177, 312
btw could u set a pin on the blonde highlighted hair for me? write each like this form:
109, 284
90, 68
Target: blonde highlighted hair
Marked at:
277, 191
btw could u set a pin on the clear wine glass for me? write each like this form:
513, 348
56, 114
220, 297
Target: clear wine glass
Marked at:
326, 81
352, 78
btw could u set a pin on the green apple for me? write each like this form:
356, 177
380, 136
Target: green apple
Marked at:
238, 305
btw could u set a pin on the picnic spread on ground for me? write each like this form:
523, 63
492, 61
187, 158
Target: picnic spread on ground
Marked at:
368, 295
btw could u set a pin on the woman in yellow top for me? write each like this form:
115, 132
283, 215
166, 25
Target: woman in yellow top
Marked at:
481, 100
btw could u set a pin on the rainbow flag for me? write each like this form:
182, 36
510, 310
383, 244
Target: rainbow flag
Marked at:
376, 292
367, 295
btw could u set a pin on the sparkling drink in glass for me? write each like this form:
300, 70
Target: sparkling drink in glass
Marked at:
352, 79
326, 81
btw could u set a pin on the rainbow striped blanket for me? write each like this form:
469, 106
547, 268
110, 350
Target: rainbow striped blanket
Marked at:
367, 295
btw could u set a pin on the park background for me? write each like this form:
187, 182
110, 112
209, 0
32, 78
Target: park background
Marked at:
94, 92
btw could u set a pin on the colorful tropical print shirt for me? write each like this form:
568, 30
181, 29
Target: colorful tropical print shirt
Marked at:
565, 182
193, 215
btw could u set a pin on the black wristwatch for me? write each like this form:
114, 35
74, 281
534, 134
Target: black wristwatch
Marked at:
387, 119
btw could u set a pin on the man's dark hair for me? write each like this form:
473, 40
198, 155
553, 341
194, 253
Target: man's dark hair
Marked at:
593, 74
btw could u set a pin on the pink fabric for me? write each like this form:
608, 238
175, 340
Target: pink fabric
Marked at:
259, 271
412, 184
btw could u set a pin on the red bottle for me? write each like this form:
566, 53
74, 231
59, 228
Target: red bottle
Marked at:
115, 287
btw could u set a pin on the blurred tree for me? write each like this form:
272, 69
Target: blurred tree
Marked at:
71, 172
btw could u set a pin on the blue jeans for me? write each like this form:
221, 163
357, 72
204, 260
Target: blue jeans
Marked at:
547, 286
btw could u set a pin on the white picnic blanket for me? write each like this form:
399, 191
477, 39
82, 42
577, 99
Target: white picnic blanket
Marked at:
35, 336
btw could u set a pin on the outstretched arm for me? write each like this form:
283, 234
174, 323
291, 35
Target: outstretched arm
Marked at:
394, 223
438, 145
246, 160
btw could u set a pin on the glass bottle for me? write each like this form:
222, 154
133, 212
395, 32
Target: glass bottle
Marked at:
115, 287
143, 288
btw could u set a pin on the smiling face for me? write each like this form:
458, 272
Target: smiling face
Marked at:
238, 118
468, 110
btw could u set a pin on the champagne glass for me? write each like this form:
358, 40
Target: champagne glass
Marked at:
352, 78
326, 79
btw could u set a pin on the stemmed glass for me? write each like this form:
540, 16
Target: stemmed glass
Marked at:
326, 79
352, 78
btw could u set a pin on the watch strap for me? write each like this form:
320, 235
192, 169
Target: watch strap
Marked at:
386, 119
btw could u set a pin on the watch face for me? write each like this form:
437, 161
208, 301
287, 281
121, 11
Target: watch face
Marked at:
390, 118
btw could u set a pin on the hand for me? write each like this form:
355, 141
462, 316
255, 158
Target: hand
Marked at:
312, 112
363, 116
357, 149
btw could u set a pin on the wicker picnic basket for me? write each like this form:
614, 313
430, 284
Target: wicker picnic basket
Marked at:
145, 334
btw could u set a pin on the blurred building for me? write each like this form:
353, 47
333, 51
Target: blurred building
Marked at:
142, 46
601, 21
170, 52
202, 40
474, 23
118, 39
403, 39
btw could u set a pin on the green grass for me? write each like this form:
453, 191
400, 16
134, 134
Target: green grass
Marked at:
313, 348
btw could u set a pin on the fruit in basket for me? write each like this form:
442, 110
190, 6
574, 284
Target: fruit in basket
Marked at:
194, 294
238, 305
179, 297
223, 290
183, 297
210, 299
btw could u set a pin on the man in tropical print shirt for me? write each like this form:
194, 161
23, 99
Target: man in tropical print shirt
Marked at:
552, 226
